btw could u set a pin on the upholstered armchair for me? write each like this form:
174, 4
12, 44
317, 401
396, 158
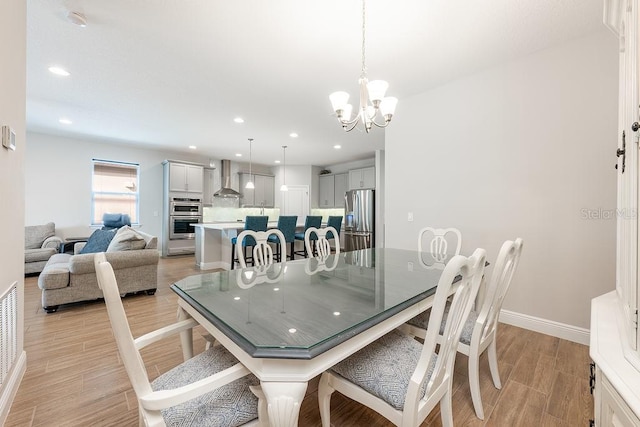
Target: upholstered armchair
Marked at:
40, 243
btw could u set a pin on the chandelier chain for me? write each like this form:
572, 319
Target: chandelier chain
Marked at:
364, 66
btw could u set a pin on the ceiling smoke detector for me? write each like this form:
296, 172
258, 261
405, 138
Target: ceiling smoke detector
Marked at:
77, 18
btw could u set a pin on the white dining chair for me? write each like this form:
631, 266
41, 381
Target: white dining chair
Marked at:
262, 253
320, 247
480, 329
211, 388
401, 378
438, 243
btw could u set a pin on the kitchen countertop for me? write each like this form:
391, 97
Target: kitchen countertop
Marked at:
230, 225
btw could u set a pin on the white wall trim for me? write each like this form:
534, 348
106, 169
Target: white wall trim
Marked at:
544, 326
10, 388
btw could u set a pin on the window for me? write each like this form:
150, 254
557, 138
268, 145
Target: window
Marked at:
114, 189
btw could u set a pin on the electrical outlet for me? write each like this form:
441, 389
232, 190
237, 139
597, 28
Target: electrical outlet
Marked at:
409, 266
410, 216
155, 213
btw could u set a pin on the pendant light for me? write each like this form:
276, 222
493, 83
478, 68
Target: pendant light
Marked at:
284, 187
250, 185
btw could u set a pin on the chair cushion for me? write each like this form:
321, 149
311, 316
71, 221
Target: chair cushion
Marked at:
55, 274
384, 367
98, 241
35, 255
35, 235
228, 406
422, 321
126, 239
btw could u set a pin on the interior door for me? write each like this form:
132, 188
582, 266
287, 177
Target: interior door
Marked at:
296, 201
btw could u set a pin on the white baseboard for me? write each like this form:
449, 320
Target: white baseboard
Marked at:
10, 387
544, 326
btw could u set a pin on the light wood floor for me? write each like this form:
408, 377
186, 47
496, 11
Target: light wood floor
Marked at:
75, 378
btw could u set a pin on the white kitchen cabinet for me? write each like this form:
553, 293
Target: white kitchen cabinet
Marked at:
362, 178
332, 189
327, 199
263, 195
209, 186
340, 187
185, 177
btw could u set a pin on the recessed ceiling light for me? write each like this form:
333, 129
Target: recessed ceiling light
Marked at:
277, 161
65, 121
238, 155
193, 147
293, 135
59, 71
293, 330
337, 147
238, 120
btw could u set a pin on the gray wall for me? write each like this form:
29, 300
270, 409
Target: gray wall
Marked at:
58, 181
525, 149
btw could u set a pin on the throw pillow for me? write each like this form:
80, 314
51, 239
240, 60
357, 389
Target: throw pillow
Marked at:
126, 239
98, 241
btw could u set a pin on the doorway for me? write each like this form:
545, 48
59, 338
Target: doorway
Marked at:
296, 201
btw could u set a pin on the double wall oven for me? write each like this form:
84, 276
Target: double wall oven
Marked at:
183, 212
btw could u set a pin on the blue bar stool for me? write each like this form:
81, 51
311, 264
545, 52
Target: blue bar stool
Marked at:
255, 223
310, 221
286, 224
335, 222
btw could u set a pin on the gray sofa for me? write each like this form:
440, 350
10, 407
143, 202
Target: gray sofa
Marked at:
72, 278
40, 243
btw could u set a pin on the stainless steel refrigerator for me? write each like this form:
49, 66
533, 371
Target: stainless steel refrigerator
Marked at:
359, 227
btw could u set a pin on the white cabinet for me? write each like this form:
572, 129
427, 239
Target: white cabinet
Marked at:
612, 408
340, 187
263, 195
614, 331
332, 189
185, 177
209, 186
362, 178
326, 192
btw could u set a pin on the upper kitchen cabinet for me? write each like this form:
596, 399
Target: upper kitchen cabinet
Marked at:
209, 186
332, 189
185, 177
340, 188
362, 178
262, 195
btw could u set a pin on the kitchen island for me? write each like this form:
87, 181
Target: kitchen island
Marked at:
213, 242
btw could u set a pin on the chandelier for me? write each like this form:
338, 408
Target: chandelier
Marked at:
373, 103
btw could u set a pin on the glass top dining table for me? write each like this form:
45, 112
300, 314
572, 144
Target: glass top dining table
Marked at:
302, 308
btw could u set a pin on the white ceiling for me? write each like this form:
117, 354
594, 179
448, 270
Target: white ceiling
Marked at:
175, 73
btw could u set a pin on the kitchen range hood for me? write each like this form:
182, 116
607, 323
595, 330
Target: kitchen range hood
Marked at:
226, 190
